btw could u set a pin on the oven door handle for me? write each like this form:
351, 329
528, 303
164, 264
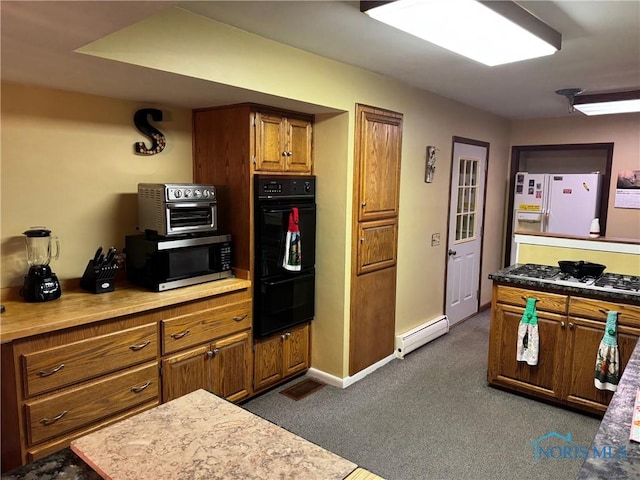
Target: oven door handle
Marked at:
288, 209
190, 205
287, 280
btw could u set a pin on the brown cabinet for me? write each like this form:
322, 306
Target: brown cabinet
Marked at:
59, 386
570, 330
222, 367
62, 384
222, 364
283, 143
281, 356
375, 236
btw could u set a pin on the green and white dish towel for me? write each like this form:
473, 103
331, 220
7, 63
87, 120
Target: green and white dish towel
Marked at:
607, 373
528, 338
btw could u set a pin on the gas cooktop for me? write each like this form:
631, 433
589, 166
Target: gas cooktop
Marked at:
613, 282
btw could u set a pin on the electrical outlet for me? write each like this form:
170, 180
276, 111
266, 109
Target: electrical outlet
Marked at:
435, 239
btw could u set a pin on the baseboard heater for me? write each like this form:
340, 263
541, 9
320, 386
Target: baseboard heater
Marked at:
422, 334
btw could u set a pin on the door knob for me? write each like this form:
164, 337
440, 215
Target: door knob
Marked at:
452, 252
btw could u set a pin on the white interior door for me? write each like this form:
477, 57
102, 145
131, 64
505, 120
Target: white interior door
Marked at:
465, 230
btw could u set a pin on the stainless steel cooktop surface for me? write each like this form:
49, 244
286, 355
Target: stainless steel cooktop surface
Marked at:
614, 282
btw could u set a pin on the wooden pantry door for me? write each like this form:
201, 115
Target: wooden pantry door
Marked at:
375, 221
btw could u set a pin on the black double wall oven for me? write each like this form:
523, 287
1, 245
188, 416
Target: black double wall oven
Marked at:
285, 252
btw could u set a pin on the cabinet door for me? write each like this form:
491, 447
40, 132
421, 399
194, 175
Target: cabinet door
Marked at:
378, 243
298, 151
268, 362
584, 337
296, 350
270, 142
186, 372
232, 367
543, 379
378, 150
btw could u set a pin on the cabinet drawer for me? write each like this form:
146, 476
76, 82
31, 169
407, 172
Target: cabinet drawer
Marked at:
597, 310
77, 407
74, 362
549, 302
195, 328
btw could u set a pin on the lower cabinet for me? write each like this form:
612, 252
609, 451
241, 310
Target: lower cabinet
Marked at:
281, 356
222, 367
569, 340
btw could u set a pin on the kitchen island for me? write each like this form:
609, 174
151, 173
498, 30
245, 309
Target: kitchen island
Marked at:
198, 435
571, 322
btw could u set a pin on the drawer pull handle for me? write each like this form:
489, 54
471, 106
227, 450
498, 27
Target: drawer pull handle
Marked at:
177, 336
140, 388
239, 318
46, 373
527, 298
49, 421
140, 346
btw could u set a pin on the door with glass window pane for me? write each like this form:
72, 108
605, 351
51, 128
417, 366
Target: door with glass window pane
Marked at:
465, 230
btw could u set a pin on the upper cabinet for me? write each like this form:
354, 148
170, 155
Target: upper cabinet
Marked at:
283, 143
378, 154
233, 142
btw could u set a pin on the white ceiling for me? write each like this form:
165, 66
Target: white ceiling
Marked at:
600, 52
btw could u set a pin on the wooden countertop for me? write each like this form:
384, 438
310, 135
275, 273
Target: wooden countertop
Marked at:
78, 307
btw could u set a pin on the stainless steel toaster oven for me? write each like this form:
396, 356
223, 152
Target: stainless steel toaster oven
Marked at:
169, 209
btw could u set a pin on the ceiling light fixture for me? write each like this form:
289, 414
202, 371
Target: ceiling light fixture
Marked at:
601, 103
608, 103
490, 32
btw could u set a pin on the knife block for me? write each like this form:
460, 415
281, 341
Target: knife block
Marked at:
98, 279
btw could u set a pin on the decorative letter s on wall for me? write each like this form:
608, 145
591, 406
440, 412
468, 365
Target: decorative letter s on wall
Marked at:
158, 141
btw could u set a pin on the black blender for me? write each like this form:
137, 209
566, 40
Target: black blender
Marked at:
40, 283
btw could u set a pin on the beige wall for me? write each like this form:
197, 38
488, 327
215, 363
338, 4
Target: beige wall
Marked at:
68, 164
81, 137
622, 130
180, 42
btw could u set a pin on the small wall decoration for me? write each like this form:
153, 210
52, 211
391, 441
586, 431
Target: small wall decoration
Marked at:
158, 141
431, 163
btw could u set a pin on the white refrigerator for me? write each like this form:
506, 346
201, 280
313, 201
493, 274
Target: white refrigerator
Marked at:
555, 203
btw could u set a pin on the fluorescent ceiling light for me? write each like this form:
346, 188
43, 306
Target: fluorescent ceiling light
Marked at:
490, 32
608, 103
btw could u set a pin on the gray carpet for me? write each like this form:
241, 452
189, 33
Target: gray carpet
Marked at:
432, 416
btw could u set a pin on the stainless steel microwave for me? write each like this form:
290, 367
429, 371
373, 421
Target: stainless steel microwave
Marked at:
170, 209
161, 263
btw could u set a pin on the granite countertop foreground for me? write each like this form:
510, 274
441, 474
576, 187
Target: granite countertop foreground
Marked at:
202, 436
197, 436
613, 435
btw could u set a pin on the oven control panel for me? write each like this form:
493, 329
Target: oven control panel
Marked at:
270, 186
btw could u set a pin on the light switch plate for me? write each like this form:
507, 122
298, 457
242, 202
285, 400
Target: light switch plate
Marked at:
435, 239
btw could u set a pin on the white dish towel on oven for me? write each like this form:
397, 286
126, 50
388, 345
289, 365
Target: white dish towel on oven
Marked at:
528, 338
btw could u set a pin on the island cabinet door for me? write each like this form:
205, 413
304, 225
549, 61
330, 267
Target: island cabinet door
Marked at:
583, 340
542, 380
186, 372
232, 363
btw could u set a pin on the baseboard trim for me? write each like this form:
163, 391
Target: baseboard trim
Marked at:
347, 381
